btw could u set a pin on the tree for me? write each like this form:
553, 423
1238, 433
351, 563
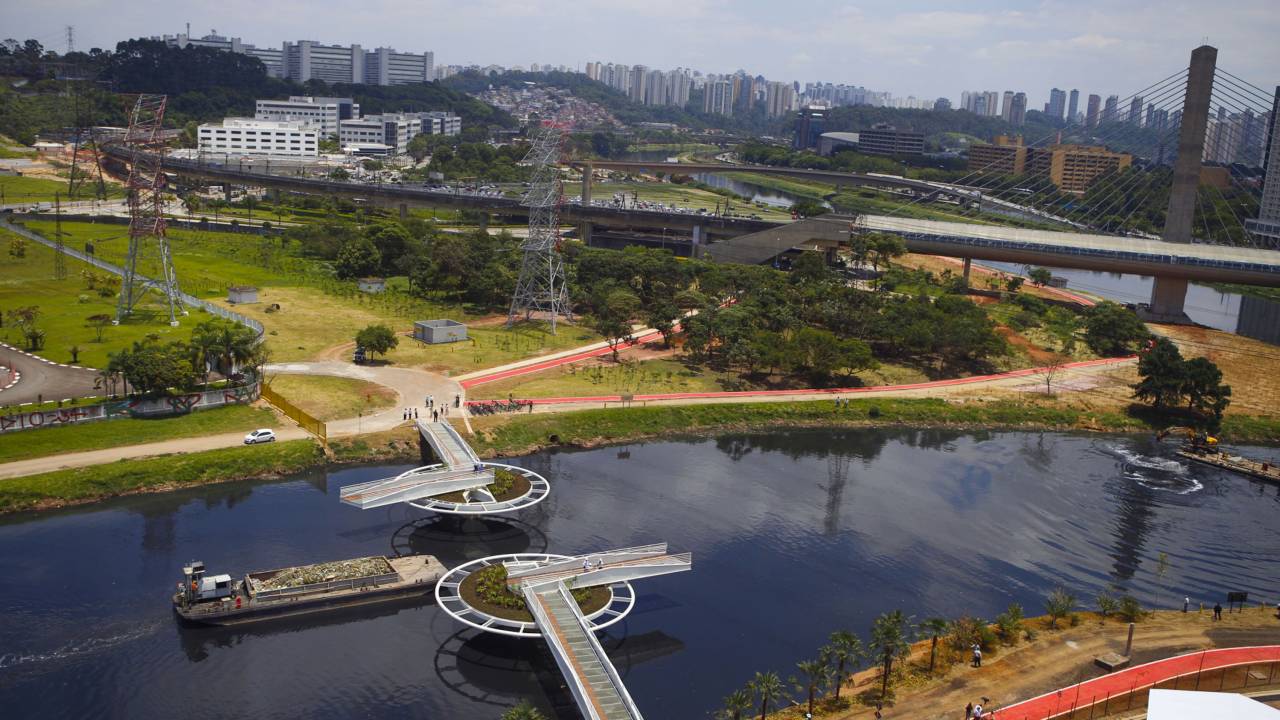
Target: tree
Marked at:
152, 368
766, 687
1106, 604
1110, 329
17, 247
1040, 276
736, 703
816, 674
934, 627
99, 323
1204, 389
890, 640
1162, 374
884, 248
845, 649
377, 339
524, 710
809, 208
1013, 283
1058, 605
613, 317
358, 257
662, 317
221, 342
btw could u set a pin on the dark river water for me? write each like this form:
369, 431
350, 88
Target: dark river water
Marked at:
794, 534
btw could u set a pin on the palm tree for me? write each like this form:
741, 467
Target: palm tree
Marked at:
736, 703
766, 686
890, 639
816, 674
934, 627
845, 649
523, 711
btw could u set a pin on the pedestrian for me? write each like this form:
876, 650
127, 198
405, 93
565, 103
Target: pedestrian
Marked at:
968, 711
435, 416
1217, 611
415, 413
1278, 609
586, 565
457, 400
977, 710
1186, 604
977, 655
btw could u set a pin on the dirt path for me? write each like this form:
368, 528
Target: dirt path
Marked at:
1056, 659
50, 463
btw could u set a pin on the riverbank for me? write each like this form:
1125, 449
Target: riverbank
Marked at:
514, 435
1052, 660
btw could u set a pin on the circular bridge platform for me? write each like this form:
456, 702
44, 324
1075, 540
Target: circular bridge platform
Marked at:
539, 489
622, 599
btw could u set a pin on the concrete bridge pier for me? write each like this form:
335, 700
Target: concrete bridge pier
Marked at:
587, 173
404, 211
697, 242
1168, 295
584, 233
226, 191
968, 265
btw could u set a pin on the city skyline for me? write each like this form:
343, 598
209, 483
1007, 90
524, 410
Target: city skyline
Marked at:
917, 48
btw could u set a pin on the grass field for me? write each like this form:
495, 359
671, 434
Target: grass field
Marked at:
19, 189
131, 431
65, 306
651, 377
333, 398
166, 472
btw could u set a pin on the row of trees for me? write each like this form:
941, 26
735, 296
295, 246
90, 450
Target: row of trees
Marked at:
1166, 380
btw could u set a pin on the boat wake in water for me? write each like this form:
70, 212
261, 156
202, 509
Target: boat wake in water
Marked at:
1155, 473
76, 648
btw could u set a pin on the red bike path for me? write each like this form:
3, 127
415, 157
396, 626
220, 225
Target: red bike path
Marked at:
1139, 677
802, 391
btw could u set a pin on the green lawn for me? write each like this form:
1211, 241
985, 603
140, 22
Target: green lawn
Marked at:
87, 484
65, 305
20, 189
683, 196
326, 397
131, 431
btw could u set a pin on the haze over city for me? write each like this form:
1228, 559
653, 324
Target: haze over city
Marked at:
926, 49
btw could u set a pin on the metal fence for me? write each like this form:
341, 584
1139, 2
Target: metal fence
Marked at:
302, 417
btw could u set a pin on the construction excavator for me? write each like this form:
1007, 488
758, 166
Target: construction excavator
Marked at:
1201, 447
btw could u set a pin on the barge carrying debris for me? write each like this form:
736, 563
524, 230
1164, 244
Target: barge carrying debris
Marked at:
1203, 448
204, 599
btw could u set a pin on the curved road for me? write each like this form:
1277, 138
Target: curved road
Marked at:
43, 379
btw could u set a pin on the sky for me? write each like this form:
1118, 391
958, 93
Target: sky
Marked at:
909, 47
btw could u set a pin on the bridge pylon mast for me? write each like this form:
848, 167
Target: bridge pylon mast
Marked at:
145, 189
541, 287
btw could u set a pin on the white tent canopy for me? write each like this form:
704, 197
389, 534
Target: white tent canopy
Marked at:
1190, 705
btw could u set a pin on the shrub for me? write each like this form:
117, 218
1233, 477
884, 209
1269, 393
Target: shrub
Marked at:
1130, 609
1009, 624
873, 412
1106, 604
1058, 605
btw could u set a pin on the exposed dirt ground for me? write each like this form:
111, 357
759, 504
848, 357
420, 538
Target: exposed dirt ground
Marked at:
1250, 367
1059, 658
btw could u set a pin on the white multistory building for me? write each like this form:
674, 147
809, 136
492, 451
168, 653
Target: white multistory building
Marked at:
272, 57
385, 66
718, 97
249, 136
323, 112
393, 131
309, 60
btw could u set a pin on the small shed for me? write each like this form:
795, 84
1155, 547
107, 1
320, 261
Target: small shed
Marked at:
240, 294
371, 285
439, 331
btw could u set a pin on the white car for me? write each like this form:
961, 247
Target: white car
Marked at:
260, 436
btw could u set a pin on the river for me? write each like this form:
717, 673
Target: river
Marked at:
793, 533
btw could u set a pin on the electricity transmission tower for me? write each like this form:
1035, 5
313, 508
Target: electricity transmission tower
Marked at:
541, 287
59, 256
145, 187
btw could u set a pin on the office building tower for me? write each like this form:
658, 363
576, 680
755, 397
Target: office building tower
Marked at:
309, 60
941, 104
810, 124
1266, 228
385, 66
324, 113
885, 139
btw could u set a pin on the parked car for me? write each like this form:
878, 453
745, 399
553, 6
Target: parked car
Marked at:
262, 435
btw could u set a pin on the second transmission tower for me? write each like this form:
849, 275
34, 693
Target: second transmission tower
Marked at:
541, 287
147, 239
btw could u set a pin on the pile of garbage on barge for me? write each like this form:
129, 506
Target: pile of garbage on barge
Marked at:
321, 572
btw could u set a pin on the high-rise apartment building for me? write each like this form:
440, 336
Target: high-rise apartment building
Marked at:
1135, 111
1110, 110
1266, 228
1057, 104
779, 98
1073, 106
385, 66
1006, 105
1018, 112
639, 81
1091, 115
718, 97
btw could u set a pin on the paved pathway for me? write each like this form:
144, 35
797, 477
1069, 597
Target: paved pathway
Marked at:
639, 336
50, 463
40, 379
411, 386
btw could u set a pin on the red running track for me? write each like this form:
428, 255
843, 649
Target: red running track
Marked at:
1137, 678
802, 391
